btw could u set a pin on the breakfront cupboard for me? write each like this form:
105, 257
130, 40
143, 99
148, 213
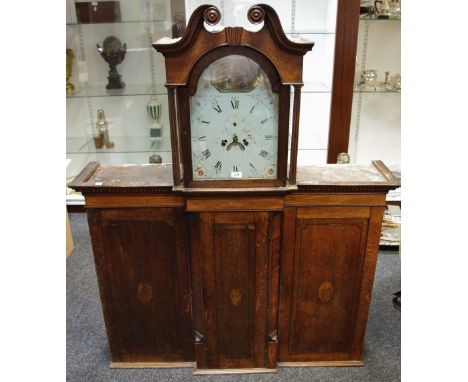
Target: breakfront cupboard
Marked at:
233, 258
236, 283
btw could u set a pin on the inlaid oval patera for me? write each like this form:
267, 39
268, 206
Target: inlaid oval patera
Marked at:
325, 291
145, 293
236, 297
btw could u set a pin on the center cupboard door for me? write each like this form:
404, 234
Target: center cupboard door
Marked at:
230, 267
321, 273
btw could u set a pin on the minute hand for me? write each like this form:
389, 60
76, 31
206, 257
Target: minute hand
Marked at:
235, 143
232, 144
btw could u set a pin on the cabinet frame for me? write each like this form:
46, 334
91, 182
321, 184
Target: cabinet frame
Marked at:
352, 193
347, 27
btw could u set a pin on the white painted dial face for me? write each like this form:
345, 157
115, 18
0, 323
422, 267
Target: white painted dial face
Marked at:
234, 134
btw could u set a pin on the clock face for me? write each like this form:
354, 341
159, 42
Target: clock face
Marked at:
234, 122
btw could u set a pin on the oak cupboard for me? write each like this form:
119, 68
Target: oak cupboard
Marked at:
143, 275
235, 280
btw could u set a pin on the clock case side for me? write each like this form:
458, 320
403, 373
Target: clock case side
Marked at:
185, 59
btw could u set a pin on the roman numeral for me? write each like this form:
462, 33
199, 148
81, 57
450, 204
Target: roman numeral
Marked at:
235, 103
263, 121
218, 166
263, 153
217, 108
235, 169
251, 110
268, 137
206, 154
202, 138
251, 165
204, 122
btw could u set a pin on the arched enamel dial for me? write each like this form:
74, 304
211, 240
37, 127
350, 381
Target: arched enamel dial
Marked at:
234, 134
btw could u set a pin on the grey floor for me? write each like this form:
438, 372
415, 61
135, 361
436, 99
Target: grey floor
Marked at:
88, 354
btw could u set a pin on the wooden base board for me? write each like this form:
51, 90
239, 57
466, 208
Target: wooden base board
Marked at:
150, 365
169, 365
232, 371
320, 364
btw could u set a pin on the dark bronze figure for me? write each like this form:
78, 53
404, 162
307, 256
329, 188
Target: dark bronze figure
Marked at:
114, 53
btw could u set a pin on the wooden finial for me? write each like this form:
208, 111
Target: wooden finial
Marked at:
212, 15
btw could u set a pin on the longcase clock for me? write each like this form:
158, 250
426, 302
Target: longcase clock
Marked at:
231, 264
229, 102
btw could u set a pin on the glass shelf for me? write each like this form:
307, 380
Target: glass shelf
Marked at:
85, 145
128, 90
381, 91
169, 22
309, 32
363, 18
137, 90
120, 22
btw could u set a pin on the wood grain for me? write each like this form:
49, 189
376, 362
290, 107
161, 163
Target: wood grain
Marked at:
233, 253
344, 200
173, 123
333, 212
223, 204
347, 26
367, 280
237, 283
150, 365
295, 134
148, 310
319, 259
321, 364
122, 201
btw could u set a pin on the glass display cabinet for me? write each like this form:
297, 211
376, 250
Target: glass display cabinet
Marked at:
132, 111
375, 130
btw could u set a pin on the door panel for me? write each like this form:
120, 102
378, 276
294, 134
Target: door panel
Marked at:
321, 291
142, 264
233, 261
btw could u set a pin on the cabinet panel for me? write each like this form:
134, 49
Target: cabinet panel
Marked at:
232, 259
321, 274
142, 267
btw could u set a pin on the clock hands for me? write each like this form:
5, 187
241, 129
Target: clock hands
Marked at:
235, 143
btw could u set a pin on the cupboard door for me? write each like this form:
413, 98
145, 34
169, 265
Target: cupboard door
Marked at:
324, 250
141, 257
231, 266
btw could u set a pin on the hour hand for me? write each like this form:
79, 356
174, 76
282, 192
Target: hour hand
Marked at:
232, 144
235, 143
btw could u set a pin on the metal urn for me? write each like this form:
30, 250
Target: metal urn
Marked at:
113, 53
153, 107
